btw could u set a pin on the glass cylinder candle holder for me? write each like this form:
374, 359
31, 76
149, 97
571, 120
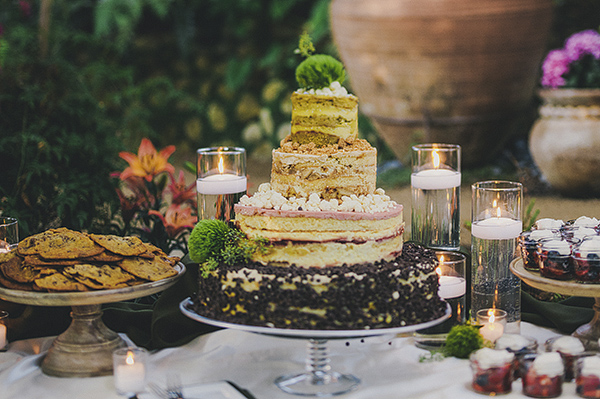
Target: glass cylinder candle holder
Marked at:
493, 323
130, 369
452, 288
9, 233
3, 330
221, 181
496, 223
435, 186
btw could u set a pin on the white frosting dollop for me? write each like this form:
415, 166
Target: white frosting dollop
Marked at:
334, 89
567, 344
537, 235
588, 246
584, 232
585, 221
268, 198
487, 358
513, 342
548, 223
549, 364
590, 365
561, 246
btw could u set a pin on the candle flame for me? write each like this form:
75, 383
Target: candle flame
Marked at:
495, 204
492, 316
129, 359
498, 212
438, 270
436, 159
221, 165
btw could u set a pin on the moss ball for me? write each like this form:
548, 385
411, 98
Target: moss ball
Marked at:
207, 239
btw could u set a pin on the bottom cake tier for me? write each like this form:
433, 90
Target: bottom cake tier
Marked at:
385, 294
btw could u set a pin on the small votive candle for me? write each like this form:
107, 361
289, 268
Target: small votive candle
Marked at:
3, 340
493, 322
129, 368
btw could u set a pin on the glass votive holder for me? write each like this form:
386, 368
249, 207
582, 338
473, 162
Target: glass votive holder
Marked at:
587, 377
221, 181
452, 288
542, 375
3, 330
9, 233
528, 246
129, 370
492, 371
570, 349
586, 260
435, 188
555, 259
492, 322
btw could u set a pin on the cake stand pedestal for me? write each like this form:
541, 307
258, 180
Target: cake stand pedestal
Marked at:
85, 348
587, 333
318, 379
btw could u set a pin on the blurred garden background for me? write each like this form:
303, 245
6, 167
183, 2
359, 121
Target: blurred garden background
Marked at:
82, 80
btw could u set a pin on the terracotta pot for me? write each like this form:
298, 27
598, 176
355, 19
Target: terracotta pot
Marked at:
565, 140
444, 71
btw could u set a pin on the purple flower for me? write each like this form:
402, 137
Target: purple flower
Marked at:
582, 43
554, 67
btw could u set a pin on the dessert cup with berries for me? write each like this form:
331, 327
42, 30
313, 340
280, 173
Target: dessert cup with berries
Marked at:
492, 371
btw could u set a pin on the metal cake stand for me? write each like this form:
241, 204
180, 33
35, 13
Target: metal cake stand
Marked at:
318, 379
85, 348
587, 333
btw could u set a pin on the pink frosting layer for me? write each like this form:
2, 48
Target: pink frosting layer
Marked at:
253, 210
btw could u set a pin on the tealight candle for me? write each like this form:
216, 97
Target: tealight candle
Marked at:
493, 322
129, 368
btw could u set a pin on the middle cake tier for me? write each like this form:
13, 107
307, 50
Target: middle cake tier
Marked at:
315, 232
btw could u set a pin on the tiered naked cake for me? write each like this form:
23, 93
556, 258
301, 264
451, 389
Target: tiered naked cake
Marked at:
335, 258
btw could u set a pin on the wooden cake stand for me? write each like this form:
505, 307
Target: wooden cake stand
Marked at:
589, 332
85, 348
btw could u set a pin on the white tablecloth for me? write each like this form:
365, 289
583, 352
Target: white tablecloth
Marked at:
389, 367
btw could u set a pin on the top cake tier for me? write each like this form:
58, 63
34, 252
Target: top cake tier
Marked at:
324, 116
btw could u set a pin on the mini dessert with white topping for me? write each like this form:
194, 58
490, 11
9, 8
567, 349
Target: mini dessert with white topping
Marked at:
555, 259
570, 348
586, 260
588, 377
542, 375
492, 371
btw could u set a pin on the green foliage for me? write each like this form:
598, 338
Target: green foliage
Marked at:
213, 242
320, 70
57, 143
207, 239
530, 215
462, 340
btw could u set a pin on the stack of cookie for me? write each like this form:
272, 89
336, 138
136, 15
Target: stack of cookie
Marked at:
59, 260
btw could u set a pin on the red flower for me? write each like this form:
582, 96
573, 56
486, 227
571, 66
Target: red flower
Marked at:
182, 193
176, 219
148, 162
25, 7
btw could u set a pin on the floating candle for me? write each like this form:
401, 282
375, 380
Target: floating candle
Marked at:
225, 183
497, 228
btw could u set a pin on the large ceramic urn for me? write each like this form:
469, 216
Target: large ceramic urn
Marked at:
565, 140
448, 71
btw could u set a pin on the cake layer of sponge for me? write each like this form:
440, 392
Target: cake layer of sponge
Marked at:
323, 119
328, 175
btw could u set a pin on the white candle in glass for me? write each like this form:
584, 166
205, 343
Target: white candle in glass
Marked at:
452, 287
130, 376
497, 228
437, 178
221, 182
491, 331
225, 183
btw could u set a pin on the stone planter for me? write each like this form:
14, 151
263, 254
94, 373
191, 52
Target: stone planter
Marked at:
565, 140
447, 71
